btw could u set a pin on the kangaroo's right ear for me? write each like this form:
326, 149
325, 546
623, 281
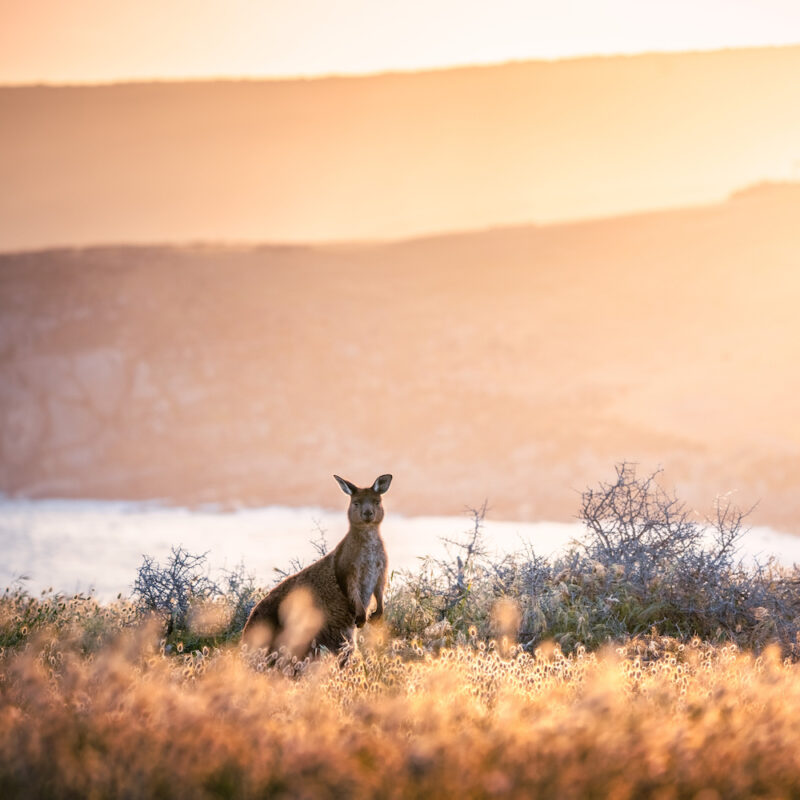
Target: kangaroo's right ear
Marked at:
347, 487
381, 484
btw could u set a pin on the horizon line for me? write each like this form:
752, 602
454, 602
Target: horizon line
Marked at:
738, 193
389, 72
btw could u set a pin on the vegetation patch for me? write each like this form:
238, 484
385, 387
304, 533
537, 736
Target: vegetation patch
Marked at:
644, 662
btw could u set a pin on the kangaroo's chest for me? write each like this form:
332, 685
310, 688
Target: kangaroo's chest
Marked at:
371, 561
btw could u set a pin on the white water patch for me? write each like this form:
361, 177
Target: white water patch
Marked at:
761, 542
79, 545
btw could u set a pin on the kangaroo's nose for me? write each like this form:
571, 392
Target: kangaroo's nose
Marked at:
368, 515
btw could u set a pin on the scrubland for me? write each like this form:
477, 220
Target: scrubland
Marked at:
645, 662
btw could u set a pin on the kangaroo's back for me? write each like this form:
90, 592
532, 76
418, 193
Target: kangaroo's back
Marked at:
321, 604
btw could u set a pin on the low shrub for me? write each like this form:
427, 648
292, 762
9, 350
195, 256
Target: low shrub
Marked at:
646, 562
188, 602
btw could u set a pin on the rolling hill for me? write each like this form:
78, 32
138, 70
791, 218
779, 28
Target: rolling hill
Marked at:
395, 155
515, 364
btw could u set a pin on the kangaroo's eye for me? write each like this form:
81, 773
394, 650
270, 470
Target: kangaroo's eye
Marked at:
356, 505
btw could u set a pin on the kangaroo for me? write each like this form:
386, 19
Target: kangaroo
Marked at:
321, 604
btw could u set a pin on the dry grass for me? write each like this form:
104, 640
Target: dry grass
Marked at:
154, 698
651, 718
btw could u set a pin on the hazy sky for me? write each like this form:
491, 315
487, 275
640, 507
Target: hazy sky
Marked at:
106, 40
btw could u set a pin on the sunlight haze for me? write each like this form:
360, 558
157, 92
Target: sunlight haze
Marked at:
493, 249
93, 41
535, 264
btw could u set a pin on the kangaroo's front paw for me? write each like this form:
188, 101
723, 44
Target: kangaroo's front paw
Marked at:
376, 614
361, 618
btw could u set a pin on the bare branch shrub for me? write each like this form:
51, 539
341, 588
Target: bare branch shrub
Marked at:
454, 597
664, 565
240, 594
636, 523
647, 563
169, 591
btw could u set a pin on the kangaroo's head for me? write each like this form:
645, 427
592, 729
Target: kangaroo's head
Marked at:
365, 504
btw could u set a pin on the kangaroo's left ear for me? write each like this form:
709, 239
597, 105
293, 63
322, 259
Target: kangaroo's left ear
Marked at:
347, 487
381, 484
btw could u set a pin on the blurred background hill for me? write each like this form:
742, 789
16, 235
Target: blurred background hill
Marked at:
392, 155
492, 281
515, 364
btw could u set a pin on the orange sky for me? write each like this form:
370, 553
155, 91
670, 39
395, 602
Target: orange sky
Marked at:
97, 40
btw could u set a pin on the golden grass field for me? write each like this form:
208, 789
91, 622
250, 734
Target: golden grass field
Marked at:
88, 714
644, 661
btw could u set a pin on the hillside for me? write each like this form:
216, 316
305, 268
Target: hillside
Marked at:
393, 155
513, 364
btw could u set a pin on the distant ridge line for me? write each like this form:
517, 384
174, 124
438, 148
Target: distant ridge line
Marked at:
761, 190
387, 73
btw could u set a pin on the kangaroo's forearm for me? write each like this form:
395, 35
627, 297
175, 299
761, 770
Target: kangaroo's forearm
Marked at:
354, 596
379, 587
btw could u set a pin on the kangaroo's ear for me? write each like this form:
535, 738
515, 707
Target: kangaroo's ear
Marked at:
347, 487
381, 484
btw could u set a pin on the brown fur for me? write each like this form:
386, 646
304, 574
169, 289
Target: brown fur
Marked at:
336, 590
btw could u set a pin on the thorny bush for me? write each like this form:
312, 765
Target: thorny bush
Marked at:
183, 595
646, 562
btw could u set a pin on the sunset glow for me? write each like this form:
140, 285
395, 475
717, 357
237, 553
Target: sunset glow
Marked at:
532, 263
96, 41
